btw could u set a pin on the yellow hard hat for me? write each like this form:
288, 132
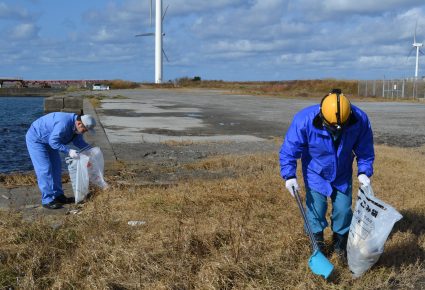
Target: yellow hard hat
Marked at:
335, 108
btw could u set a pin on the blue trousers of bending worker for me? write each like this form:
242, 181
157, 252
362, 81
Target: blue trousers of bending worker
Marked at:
317, 205
47, 167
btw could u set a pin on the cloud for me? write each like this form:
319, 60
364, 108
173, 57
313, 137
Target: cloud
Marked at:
14, 13
366, 6
103, 34
24, 31
271, 38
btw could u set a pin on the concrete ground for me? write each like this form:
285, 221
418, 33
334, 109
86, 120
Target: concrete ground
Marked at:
167, 128
157, 116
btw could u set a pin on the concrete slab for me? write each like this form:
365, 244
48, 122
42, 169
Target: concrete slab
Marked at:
100, 138
134, 136
393, 123
53, 104
26, 197
159, 120
73, 102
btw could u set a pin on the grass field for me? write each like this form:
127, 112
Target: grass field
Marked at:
239, 232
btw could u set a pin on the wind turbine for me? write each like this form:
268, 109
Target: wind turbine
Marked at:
416, 45
159, 51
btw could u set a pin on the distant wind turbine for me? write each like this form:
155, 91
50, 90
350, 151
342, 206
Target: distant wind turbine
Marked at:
159, 51
417, 46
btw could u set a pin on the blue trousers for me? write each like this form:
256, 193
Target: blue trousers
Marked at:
317, 205
47, 167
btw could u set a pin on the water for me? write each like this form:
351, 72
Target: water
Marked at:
16, 116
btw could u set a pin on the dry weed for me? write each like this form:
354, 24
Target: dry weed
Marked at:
241, 232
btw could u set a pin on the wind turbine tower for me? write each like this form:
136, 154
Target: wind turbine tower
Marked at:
159, 51
417, 46
158, 42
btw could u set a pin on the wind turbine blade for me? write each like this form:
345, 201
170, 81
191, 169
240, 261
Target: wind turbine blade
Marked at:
410, 53
145, 34
165, 12
421, 52
150, 14
166, 57
414, 36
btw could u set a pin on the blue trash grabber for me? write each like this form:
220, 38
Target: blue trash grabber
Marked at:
318, 263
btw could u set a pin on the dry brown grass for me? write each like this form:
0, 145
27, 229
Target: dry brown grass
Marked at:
232, 233
315, 89
122, 84
15, 180
294, 88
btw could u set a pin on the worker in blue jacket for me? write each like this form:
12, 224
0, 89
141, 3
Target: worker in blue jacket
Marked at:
48, 136
327, 138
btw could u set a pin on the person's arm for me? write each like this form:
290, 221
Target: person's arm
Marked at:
56, 136
292, 147
363, 149
79, 142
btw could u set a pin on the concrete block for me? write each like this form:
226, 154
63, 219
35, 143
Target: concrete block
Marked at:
53, 104
73, 102
72, 110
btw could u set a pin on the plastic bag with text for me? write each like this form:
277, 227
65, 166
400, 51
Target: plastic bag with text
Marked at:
372, 222
79, 175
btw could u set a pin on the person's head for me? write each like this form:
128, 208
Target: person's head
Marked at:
84, 124
335, 110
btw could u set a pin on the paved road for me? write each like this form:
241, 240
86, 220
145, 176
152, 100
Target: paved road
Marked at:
154, 116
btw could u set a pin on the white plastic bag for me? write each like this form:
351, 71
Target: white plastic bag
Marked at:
79, 175
95, 167
372, 222
87, 169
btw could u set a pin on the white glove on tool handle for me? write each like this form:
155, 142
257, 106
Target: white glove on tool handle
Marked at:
363, 179
73, 154
291, 184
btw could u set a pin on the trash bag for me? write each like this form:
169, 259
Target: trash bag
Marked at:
87, 169
95, 167
372, 222
79, 175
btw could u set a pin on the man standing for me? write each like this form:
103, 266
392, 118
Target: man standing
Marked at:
45, 138
327, 137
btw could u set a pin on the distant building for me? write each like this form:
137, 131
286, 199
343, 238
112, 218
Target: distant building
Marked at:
100, 87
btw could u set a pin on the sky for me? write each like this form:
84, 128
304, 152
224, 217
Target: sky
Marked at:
230, 40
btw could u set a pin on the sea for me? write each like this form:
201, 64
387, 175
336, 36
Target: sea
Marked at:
16, 116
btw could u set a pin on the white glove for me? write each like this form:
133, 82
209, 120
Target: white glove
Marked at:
74, 154
291, 184
363, 179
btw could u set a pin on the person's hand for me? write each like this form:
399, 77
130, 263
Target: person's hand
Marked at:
74, 154
364, 180
292, 184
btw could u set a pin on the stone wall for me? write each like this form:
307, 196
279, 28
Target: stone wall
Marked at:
71, 104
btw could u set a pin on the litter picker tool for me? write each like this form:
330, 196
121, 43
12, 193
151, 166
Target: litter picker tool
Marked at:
85, 148
318, 263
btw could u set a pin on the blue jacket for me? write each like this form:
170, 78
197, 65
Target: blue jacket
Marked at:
324, 166
57, 130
